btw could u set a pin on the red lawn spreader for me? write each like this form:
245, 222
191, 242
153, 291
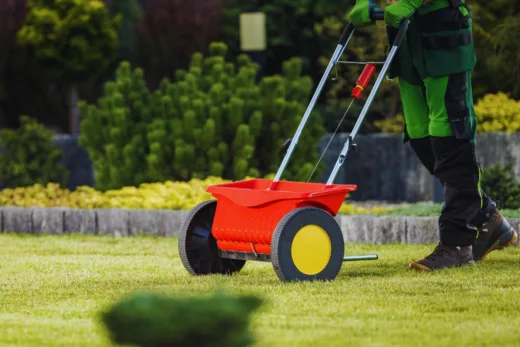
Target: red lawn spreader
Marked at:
290, 224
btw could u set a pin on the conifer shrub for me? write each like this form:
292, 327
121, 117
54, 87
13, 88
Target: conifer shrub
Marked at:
499, 181
215, 119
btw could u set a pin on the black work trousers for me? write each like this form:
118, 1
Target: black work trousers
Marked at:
466, 206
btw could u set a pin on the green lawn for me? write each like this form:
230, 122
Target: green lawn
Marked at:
52, 288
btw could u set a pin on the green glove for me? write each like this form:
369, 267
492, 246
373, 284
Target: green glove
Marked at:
402, 9
360, 13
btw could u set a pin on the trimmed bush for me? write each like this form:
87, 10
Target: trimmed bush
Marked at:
154, 320
214, 120
29, 156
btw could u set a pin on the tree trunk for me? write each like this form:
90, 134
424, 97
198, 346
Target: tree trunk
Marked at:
72, 106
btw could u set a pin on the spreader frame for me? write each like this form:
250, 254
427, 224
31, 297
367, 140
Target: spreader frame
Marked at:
282, 222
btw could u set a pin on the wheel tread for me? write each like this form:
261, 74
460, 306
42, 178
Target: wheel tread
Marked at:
276, 238
222, 266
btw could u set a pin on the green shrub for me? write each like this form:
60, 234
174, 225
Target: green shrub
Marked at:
214, 120
391, 125
500, 183
148, 320
498, 113
72, 40
29, 156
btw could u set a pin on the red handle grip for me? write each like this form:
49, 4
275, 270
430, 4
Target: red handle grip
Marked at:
363, 80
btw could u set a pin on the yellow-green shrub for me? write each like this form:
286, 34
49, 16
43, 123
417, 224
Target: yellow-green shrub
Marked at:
498, 113
167, 195
494, 112
391, 125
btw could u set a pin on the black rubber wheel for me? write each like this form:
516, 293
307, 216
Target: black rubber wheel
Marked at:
197, 246
307, 245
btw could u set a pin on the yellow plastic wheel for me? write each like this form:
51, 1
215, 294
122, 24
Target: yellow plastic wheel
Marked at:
307, 244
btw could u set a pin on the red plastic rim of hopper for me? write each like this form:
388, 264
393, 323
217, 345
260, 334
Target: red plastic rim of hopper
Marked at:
247, 212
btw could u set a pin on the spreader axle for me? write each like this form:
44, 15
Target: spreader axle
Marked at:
361, 257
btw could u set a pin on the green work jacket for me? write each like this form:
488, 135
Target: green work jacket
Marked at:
439, 42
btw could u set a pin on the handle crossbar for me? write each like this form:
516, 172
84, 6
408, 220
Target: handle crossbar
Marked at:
376, 14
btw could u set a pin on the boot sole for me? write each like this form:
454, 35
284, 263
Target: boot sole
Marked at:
419, 267
503, 241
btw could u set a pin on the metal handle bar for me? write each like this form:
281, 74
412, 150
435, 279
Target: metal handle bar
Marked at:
397, 42
376, 14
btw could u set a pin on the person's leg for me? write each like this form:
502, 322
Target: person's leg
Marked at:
494, 231
452, 129
413, 97
415, 110
455, 166
474, 208
416, 116
408, 67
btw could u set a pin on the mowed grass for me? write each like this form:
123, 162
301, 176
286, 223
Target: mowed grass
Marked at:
52, 289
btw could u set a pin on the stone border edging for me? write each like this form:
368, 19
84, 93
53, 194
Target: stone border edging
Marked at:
166, 223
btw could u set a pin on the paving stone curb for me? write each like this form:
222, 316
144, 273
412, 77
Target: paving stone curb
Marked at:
166, 223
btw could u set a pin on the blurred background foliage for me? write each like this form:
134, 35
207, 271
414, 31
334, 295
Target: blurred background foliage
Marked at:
71, 41
160, 36
63, 59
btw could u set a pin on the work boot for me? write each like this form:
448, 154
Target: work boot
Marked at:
444, 257
494, 234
